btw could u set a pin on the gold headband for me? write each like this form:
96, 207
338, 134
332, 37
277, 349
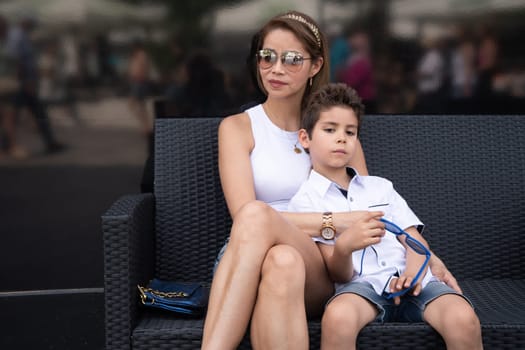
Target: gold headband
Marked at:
312, 27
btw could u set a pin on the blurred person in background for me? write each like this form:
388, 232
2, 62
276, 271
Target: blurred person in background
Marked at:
339, 54
430, 77
21, 49
92, 66
463, 72
139, 71
359, 71
104, 55
70, 70
8, 89
488, 52
48, 65
203, 92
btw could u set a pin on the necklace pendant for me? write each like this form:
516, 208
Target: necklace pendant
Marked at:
297, 149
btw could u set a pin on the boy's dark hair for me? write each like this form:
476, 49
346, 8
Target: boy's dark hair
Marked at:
330, 95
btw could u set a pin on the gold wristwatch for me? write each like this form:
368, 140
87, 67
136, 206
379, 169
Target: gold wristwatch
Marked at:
327, 228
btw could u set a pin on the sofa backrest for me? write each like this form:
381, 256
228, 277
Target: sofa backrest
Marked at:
192, 220
464, 176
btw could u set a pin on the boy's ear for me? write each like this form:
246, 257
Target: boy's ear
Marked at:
304, 139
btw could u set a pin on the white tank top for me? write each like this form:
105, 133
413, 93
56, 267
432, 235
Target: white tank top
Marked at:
278, 171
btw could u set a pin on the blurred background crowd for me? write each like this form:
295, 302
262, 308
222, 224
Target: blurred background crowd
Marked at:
189, 58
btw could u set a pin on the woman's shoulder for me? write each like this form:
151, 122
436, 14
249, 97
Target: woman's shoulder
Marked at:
236, 121
236, 125
240, 124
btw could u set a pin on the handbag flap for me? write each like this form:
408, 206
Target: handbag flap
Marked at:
183, 289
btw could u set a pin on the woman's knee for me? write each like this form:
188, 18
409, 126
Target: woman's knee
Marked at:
283, 269
252, 218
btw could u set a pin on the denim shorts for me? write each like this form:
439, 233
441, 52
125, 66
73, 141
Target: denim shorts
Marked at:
411, 308
221, 253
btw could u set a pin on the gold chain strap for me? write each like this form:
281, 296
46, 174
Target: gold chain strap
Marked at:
144, 290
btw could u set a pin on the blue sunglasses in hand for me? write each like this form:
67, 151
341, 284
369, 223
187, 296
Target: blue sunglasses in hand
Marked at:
415, 245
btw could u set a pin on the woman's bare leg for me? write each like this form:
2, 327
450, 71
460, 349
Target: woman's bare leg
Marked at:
235, 288
279, 318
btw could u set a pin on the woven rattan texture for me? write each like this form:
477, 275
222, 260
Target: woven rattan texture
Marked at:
161, 332
192, 218
462, 175
128, 261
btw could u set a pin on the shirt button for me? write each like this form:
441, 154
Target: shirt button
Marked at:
383, 263
351, 199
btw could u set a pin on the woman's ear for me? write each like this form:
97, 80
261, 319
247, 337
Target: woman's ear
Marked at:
316, 66
304, 139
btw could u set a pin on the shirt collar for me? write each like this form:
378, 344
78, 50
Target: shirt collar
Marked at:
322, 184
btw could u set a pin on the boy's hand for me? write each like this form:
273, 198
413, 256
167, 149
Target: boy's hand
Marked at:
440, 271
402, 282
365, 231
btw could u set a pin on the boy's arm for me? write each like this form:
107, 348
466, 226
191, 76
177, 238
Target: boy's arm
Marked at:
440, 270
367, 230
413, 261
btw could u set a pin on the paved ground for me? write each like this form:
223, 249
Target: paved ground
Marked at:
50, 207
105, 134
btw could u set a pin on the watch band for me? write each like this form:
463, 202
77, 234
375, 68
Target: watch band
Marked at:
327, 228
327, 219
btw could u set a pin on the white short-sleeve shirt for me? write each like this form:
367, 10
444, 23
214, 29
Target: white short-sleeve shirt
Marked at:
380, 261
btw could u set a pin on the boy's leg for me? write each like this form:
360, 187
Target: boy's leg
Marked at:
448, 312
454, 318
354, 306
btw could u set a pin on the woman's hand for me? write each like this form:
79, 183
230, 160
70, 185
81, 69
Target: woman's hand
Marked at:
439, 270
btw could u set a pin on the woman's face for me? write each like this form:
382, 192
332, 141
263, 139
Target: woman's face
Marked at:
283, 80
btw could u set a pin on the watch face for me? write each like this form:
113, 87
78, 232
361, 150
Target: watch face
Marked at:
328, 233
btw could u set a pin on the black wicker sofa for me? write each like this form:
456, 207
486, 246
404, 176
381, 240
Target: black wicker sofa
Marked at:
464, 176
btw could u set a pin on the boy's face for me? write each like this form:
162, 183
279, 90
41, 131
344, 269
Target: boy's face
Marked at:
333, 140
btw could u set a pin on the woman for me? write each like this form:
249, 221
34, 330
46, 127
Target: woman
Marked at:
272, 275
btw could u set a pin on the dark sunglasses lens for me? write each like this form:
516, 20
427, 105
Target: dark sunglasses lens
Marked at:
391, 227
416, 246
266, 58
292, 59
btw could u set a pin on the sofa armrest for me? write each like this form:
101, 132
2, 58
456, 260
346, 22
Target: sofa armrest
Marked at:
128, 236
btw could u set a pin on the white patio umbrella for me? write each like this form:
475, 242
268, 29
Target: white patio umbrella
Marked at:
87, 13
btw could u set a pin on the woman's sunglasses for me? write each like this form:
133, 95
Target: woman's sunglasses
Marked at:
291, 60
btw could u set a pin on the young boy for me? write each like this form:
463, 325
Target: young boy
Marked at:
378, 275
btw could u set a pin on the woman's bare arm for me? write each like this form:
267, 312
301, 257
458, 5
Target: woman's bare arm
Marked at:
310, 223
235, 145
358, 161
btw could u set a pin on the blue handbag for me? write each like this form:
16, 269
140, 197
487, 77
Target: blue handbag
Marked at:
180, 297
